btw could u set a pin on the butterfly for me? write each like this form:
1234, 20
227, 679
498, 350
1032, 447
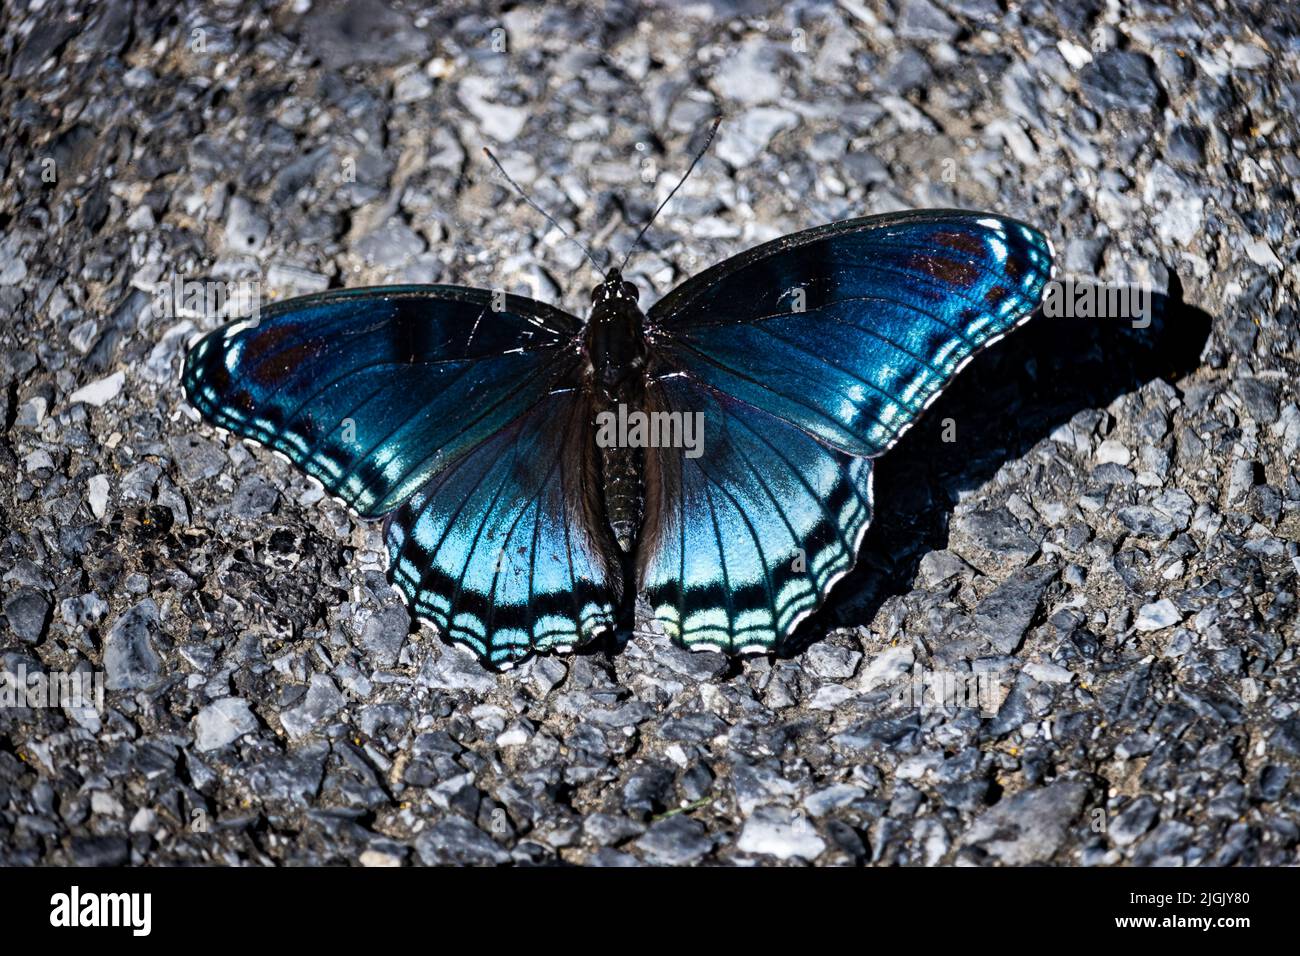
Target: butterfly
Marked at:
535, 473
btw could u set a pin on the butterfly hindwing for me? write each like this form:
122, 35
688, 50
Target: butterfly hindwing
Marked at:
503, 549
745, 539
850, 330
372, 391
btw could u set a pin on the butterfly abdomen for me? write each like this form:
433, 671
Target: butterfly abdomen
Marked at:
624, 493
616, 355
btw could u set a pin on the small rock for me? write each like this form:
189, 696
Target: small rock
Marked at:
196, 457
254, 497
502, 123
223, 722
1133, 821
940, 566
97, 495
454, 840
1260, 397
379, 858
831, 662
992, 540
246, 230
922, 20
384, 634
1157, 616
751, 75
1030, 826
99, 392
322, 702
1113, 452
1005, 615
130, 661
1120, 80
743, 140
675, 841
782, 833
27, 611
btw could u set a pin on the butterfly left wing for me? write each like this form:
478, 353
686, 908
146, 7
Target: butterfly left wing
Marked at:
809, 356
454, 411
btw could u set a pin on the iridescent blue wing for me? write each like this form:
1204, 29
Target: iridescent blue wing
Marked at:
372, 391
851, 330
458, 420
743, 541
810, 355
505, 549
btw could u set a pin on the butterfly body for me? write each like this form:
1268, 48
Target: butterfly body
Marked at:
617, 355
472, 423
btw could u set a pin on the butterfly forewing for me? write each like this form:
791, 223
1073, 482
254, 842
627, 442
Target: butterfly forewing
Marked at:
850, 330
373, 391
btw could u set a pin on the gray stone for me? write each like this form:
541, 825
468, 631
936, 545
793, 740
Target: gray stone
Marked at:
384, 633
323, 701
1157, 615
223, 722
1120, 80
195, 456
751, 75
675, 841
1260, 398
253, 498
922, 20
130, 660
1004, 616
27, 610
781, 833
741, 141
456, 668
454, 840
1029, 827
1133, 821
992, 539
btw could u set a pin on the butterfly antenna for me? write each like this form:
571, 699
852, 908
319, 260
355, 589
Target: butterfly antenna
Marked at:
545, 215
690, 169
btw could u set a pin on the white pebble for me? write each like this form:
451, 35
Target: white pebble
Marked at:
101, 392
98, 495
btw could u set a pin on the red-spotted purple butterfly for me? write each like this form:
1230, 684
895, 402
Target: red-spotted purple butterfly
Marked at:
714, 454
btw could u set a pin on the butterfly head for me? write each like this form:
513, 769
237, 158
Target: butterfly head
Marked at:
615, 289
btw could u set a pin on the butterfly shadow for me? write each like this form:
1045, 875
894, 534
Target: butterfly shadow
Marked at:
1012, 396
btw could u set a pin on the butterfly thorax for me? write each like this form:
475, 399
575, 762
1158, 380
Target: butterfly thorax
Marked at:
616, 362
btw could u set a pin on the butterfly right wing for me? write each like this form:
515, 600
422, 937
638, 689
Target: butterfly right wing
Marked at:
808, 357
851, 330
